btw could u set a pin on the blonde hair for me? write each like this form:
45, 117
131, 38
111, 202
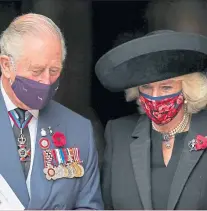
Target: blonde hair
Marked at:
194, 89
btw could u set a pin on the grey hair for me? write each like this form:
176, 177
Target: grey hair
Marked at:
194, 88
11, 39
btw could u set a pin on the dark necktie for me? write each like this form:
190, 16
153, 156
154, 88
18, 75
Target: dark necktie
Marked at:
26, 134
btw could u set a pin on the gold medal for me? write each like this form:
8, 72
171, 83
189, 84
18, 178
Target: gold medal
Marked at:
81, 172
78, 169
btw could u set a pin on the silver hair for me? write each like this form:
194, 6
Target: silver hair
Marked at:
11, 40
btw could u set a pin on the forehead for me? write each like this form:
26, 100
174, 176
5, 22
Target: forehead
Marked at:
42, 50
173, 81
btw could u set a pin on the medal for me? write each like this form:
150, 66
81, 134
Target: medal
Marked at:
78, 169
50, 172
81, 170
23, 152
44, 143
60, 172
70, 172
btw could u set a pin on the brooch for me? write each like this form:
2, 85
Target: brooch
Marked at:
199, 143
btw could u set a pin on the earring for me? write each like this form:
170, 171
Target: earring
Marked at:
185, 101
10, 81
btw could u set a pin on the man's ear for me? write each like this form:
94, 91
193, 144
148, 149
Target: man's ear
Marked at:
5, 64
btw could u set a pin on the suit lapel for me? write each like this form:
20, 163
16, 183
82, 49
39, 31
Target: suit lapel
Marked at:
140, 156
187, 161
40, 186
10, 166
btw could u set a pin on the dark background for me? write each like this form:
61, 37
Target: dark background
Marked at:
110, 19
91, 29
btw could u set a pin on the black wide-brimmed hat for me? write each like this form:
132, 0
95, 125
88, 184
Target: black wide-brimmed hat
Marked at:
157, 56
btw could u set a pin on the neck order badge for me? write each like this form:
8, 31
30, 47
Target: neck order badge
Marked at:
24, 153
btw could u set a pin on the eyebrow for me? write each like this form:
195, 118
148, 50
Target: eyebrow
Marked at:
43, 67
169, 82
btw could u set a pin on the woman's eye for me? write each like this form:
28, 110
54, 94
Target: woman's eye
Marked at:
146, 86
166, 87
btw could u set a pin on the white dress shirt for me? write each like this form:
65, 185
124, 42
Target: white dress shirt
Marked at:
32, 130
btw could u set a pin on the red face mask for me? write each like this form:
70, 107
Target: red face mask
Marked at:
162, 110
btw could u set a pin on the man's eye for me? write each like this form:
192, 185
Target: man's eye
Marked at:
54, 71
36, 72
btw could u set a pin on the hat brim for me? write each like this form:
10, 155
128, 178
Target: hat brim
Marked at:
152, 58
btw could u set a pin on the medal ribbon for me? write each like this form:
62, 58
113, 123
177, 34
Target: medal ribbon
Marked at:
17, 122
76, 153
62, 155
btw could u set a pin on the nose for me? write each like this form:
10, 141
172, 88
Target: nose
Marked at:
155, 92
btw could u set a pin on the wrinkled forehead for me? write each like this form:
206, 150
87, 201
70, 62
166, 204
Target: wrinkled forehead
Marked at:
42, 50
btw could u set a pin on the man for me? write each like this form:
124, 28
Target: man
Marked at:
47, 155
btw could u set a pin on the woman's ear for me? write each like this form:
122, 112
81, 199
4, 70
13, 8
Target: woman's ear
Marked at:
5, 64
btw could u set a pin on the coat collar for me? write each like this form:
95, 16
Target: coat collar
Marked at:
140, 151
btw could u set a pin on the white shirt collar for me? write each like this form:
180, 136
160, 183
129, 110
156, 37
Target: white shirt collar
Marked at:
10, 105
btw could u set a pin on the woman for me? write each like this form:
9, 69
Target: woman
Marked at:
157, 160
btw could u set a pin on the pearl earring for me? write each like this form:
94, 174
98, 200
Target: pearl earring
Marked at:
185, 101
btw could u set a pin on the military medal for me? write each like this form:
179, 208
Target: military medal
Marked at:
70, 171
49, 172
44, 143
23, 152
78, 169
60, 162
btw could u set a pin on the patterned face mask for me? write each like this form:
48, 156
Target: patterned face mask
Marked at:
162, 110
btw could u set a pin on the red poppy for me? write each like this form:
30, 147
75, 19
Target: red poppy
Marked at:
201, 142
59, 139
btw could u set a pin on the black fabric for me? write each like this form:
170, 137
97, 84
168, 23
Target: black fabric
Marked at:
16, 130
154, 67
161, 175
161, 55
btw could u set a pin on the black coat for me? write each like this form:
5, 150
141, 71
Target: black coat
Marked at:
127, 174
